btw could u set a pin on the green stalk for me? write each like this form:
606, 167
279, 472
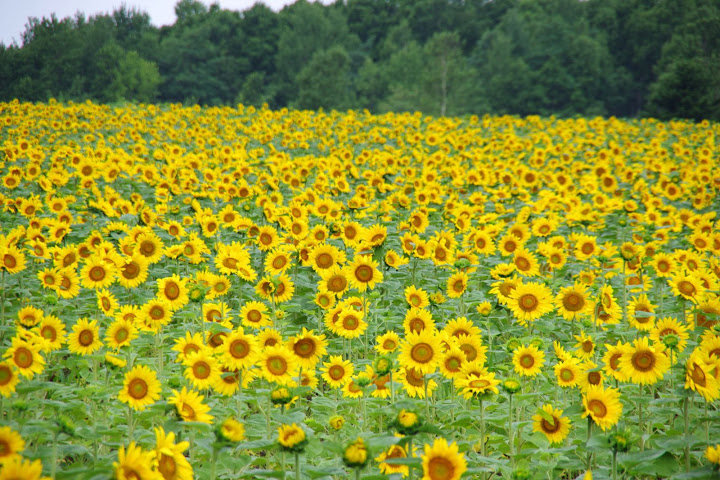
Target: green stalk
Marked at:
510, 431
589, 433
614, 465
686, 418
411, 473
297, 465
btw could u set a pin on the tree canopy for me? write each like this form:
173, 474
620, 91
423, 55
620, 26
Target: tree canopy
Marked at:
441, 57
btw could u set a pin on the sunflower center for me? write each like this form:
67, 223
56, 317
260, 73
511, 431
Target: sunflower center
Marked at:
389, 344
642, 318
201, 370
239, 348
573, 302
510, 246
566, 375
97, 273
527, 361
172, 290
230, 263
686, 288
131, 270
265, 239
137, 388
440, 468
68, 260
470, 352
254, 316
364, 273
336, 372
86, 338
453, 364
350, 322
187, 411
157, 312
587, 248
106, 305
422, 353
279, 262
598, 408
277, 365
147, 248
548, 428
528, 302
416, 325
698, 375
643, 361
615, 361
594, 378
522, 263
9, 261
167, 466
337, 283
459, 285
587, 346
415, 301
5, 375
324, 260
121, 335
414, 377
305, 348
479, 383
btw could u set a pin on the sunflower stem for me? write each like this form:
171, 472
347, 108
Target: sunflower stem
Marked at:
482, 431
213, 463
427, 405
614, 465
2, 305
640, 416
686, 419
589, 434
510, 431
131, 423
53, 465
297, 465
238, 398
411, 473
282, 462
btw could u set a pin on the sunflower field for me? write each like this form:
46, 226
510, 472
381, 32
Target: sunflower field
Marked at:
227, 293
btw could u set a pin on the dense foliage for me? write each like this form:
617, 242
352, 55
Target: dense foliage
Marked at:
561, 57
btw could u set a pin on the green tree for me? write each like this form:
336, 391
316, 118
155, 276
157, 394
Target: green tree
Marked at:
324, 81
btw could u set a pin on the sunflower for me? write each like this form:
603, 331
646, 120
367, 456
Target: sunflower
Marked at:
555, 257
585, 348
324, 257
457, 284
172, 464
189, 406
414, 382
611, 359
174, 291
526, 262
528, 360
85, 337
640, 313
134, 271
12, 260
232, 430
508, 244
643, 363
97, 273
478, 385
552, 424
442, 461
603, 406
586, 247
201, 369
308, 348
336, 371
607, 309
149, 246
687, 286
590, 376
416, 297
269, 337
504, 288
156, 313
278, 364
530, 301
350, 323
140, 388
362, 273
280, 288
670, 326
11, 444
267, 238
421, 351
17, 467
388, 342
472, 347
278, 261
106, 302
325, 300
461, 326
239, 350
8, 378
451, 362
394, 451
254, 315
710, 345
135, 463
700, 378
29, 316
417, 319
482, 242
120, 333
572, 302
49, 278
291, 438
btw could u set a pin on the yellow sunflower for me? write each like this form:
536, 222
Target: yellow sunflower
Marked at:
643, 363
442, 461
572, 302
568, 372
51, 332
254, 315
457, 284
421, 351
336, 371
585, 347
8, 378
120, 333
190, 407
11, 444
140, 388
308, 348
611, 359
174, 291
201, 369
136, 463
699, 377
530, 301
97, 273
278, 364
640, 313
239, 350
603, 406
416, 297
528, 360
85, 337
552, 424
670, 326
324, 257
478, 385
171, 461
363, 273
388, 342
418, 319
334, 280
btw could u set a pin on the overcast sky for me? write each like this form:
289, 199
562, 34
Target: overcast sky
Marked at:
14, 13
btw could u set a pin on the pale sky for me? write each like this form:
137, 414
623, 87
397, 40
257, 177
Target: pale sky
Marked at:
14, 13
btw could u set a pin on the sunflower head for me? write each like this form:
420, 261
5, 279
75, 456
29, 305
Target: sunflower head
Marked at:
408, 422
292, 438
621, 440
356, 454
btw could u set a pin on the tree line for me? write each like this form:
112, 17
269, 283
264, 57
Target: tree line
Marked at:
625, 58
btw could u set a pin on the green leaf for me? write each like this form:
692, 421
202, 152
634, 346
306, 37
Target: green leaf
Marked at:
546, 416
